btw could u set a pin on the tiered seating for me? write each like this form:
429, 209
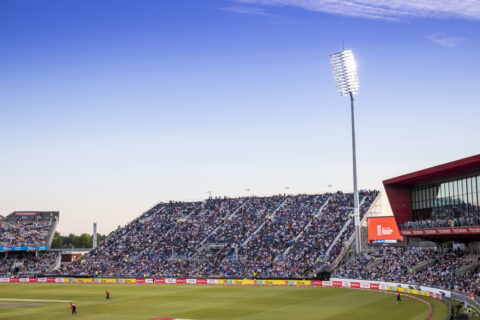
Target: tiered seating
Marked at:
309, 252
18, 230
398, 262
164, 241
21, 233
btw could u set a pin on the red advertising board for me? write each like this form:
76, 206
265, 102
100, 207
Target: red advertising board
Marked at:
374, 286
23, 213
383, 229
441, 231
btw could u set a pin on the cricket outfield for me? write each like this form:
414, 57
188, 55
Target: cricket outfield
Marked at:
201, 302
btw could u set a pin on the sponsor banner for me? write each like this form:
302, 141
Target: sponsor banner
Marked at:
61, 280
240, 282
24, 248
149, 281
14, 280
140, 280
389, 286
212, 281
272, 282
105, 280
129, 280
365, 285
303, 282
181, 281
441, 231
345, 284
24, 280
33, 280
83, 280
201, 281
317, 283
108, 281
355, 285
24, 213
337, 283
160, 281
191, 281
4, 280
327, 283
374, 286
170, 281
50, 280
42, 280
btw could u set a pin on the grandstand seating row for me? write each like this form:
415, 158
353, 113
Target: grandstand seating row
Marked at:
278, 236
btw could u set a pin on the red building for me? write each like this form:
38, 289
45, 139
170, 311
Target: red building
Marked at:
438, 203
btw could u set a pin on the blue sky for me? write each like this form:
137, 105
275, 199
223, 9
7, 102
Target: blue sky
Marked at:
108, 107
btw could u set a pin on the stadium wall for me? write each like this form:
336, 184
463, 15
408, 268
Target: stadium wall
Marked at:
333, 283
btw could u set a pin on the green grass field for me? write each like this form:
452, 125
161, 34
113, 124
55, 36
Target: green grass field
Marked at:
201, 302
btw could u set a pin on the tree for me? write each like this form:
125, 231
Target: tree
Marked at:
57, 242
82, 241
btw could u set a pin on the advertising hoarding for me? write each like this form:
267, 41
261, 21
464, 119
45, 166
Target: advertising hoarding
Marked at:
383, 230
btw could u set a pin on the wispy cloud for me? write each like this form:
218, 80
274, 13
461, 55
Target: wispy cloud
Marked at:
445, 40
385, 9
248, 10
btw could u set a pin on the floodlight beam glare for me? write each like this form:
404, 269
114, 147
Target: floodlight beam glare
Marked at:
345, 72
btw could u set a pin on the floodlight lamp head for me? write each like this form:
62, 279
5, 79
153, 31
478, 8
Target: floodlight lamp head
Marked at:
345, 72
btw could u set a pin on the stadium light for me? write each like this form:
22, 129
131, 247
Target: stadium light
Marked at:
346, 81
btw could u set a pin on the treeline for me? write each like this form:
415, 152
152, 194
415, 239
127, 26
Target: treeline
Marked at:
82, 241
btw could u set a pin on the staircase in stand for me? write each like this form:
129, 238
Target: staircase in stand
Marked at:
307, 226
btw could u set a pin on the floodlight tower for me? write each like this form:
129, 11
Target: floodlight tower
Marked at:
346, 81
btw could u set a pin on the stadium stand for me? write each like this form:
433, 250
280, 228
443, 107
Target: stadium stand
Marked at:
25, 238
431, 266
21, 229
242, 237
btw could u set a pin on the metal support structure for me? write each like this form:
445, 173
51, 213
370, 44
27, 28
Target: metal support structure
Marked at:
356, 214
346, 81
94, 235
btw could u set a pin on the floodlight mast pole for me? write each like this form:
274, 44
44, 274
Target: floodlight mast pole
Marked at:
346, 81
356, 213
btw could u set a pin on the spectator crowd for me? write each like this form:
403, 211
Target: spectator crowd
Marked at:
17, 230
459, 215
278, 236
435, 267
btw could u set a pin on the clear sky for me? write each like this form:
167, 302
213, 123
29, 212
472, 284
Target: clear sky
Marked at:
109, 107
